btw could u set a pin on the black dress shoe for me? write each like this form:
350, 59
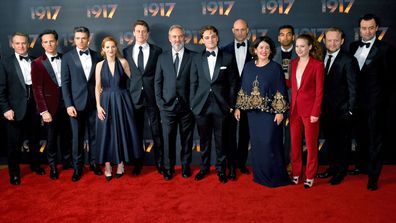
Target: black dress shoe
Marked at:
54, 173
357, 171
168, 175
200, 175
222, 177
38, 170
160, 168
232, 174
326, 174
76, 175
96, 169
186, 172
244, 169
372, 185
137, 170
15, 180
337, 179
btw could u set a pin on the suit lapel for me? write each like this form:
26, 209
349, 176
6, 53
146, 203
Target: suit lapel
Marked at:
19, 72
306, 72
131, 61
373, 52
50, 70
93, 62
205, 66
217, 65
77, 62
184, 61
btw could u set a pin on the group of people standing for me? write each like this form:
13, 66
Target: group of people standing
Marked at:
239, 94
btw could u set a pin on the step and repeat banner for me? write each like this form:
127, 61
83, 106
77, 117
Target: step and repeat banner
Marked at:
115, 18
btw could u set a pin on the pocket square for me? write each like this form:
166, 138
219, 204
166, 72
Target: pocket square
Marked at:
223, 68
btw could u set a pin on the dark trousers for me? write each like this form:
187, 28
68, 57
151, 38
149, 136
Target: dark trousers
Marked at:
237, 140
154, 122
337, 133
370, 140
212, 121
17, 132
171, 121
83, 127
59, 129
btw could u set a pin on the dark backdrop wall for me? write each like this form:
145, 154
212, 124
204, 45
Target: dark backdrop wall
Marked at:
106, 17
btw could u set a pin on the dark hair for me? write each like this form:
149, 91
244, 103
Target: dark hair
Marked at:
48, 31
258, 41
110, 39
19, 34
287, 27
370, 17
316, 50
334, 29
208, 27
81, 29
141, 23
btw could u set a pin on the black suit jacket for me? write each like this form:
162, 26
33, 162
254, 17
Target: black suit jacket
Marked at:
230, 48
13, 93
339, 95
141, 85
46, 89
377, 75
168, 86
223, 85
77, 90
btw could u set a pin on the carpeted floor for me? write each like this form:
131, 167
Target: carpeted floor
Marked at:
148, 198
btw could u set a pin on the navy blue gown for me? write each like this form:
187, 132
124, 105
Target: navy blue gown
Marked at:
117, 136
266, 137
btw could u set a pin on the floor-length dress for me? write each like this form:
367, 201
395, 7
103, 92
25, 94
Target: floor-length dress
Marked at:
267, 154
117, 136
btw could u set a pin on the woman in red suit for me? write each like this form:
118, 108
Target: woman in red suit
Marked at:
306, 82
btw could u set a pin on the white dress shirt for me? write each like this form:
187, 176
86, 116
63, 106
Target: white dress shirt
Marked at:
212, 61
146, 53
181, 52
240, 55
86, 62
334, 55
26, 68
56, 66
362, 52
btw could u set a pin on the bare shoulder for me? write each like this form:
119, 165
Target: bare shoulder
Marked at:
124, 62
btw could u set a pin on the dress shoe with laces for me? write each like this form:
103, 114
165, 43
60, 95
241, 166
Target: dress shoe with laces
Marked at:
372, 185
200, 175
15, 180
96, 169
222, 177
337, 179
186, 171
232, 174
308, 183
76, 175
168, 175
326, 174
244, 169
38, 170
53, 173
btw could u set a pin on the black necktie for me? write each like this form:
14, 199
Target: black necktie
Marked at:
55, 58
361, 44
24, 58
207, 53
328, 64
140, 59
240, 44
176, 63
84, 52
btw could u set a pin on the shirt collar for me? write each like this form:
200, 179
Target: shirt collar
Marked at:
181, 51
286, 51
216, 50
334, 54
370, 41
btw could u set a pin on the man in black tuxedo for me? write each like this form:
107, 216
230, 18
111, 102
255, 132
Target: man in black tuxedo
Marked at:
213, 89
18, 107
375, 82
339, 103
47, 91
78, 88
284, 54
238, 152
172, 91
142, 58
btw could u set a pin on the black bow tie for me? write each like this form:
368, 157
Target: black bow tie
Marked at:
24, 58
55, 57
84, 52
241, 44
207, 53
361, 44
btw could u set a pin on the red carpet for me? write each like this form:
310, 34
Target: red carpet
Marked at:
148, 198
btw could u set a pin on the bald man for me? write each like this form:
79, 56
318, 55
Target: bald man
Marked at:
238, 150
